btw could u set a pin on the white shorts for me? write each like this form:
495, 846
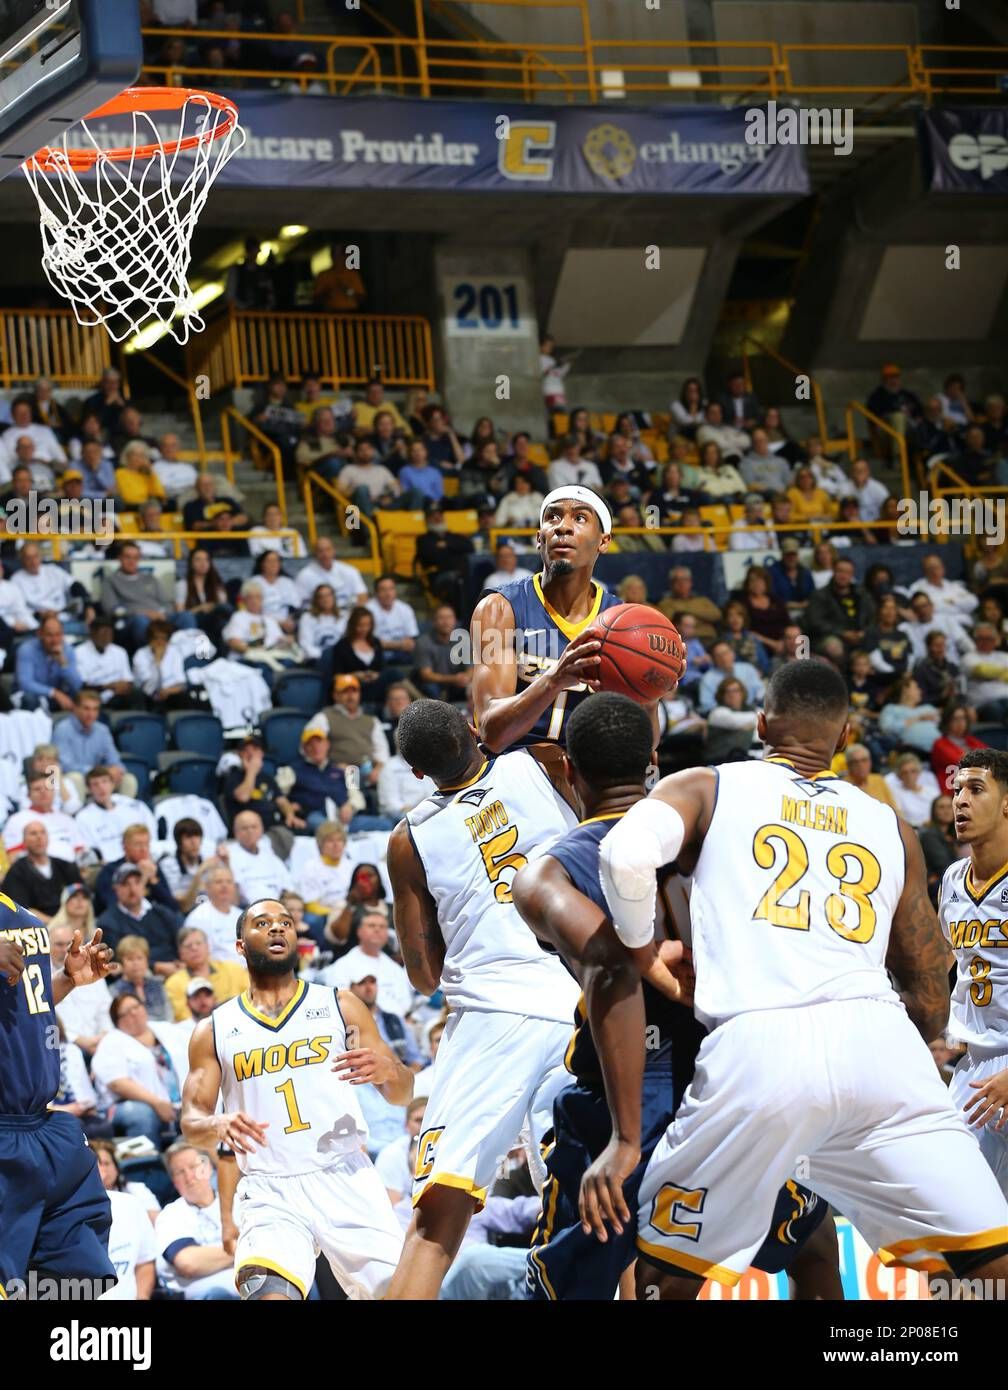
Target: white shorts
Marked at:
844, 1096
494, 1075
993, 1142
342, 1212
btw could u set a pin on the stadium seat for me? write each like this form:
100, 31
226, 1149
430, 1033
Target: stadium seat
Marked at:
281, 731
141, 771
187, 774
142, 735
538, 454
451, 487
195, 732
302, 690
463, 523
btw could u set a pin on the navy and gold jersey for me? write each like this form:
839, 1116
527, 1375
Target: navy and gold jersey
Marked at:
29, 1038
667, 1022
543, 635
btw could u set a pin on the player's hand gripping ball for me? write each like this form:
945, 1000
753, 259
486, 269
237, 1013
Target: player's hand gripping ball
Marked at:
642, 654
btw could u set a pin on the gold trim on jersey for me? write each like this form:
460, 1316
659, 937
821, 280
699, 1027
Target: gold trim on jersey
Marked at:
544, 1280
998, 1235
461, 786
609, 815
581, 1019
276, 1269
247, 1007
570, 630
827, 774
663, 1256
454, 1180
985, 889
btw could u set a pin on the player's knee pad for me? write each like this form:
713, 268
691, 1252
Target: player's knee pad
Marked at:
257, 1283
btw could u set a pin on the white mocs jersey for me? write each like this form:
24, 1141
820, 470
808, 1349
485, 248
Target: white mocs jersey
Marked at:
472, 840
793, 893
974, 921
279, 1071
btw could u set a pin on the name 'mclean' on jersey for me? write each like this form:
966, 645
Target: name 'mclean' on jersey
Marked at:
793, 892
472, 840
974, 921
279, 1071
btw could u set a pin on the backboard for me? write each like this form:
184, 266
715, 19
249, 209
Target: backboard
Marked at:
60, 60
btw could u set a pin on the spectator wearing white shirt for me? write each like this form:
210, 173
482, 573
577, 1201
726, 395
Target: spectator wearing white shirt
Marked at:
134, 1072
395, 993
946, 595
251, 636
508, 570
217, 914
553, 370
396, 1162
763, 539
324, 568
14, 611
47, 448
104, 665
395, 621
986, 672
85, 1013
870, 493
521, 506
732, 441
913, 788
324, 880
399, 788
68, 797
258, 871
926, 620
107, 814
569, 468
159, 667
66, 840
191, 1256
44, 587
175, 474
131, 1244
320, 625
282, 599
826, 471
290, 547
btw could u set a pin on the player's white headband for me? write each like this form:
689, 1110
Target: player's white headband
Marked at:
574, 493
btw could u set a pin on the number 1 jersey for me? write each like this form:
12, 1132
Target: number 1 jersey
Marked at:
471, 841
793, 893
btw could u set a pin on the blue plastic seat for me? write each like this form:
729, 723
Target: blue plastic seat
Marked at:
195, 732
281, 731
301, 690
139, 735
190, 775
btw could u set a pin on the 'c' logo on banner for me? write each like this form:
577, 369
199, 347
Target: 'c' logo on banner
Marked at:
527, 151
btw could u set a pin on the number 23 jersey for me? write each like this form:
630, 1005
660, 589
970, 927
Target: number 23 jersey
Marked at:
793, 893
471, 841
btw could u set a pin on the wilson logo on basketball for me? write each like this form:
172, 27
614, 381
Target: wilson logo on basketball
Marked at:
658, 642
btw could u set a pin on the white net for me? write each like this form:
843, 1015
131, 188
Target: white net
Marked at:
117, 231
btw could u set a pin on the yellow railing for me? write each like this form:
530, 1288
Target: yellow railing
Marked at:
312, 480
749, 342
228, 413
422, 65
51, 343
959, 487
244, 348
856, 408
189, 391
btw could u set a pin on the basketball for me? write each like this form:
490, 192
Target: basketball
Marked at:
642, 654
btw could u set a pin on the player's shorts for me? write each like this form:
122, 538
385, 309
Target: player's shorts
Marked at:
55, 1214
563, 1262
993, 1142
495, 1075
342, 1212
847, 1094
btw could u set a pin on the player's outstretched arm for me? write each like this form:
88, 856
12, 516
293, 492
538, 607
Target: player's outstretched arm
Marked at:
917, 954
368, 1059
502, 715
414, 914
228, 1176
674, 815
200, 1125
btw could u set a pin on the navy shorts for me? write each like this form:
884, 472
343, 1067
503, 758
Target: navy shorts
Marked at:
563, 1262
55, 1214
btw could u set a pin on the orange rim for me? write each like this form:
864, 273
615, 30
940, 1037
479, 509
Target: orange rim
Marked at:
131, 102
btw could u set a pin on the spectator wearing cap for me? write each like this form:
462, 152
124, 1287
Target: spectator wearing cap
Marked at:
356, 739
249, 785
744, 538
442, 556
133, 914
225, 979
893, 403
133, 955
763, 471
440, 673
790, 581
320, 788
37, 881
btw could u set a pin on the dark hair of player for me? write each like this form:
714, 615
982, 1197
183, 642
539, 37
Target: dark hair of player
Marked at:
995, 760
434, 738
806, 690
246, 915
609, 740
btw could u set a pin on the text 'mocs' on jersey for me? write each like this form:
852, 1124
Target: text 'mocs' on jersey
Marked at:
542, 636
29, 1036
471, 841
974, 920
793, 892
279, 1071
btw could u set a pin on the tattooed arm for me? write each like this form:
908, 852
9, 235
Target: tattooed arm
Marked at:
917, 955
415, 914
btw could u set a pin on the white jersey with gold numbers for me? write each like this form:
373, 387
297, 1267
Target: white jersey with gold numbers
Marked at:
974, 920
279, 1071
793, 892
471, 841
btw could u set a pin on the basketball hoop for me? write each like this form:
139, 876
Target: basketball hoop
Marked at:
118, 246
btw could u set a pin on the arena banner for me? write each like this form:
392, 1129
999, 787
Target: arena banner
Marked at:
965, 149
370, 142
